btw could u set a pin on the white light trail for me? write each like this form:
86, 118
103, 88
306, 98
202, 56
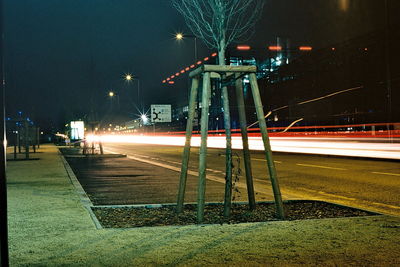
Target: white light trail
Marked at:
325, 146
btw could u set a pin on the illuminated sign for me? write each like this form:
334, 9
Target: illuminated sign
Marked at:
77, 130
160, 113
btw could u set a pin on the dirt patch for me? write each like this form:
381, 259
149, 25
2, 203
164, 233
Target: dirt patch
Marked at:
126, 217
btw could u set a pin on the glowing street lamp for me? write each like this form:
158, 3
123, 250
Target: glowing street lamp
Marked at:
111, 94
128, 77
144, 118
179, 36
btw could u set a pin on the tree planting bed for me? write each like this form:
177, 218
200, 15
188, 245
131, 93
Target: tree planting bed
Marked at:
162, 215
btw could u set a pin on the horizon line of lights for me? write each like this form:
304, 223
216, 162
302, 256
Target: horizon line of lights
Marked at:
169, 80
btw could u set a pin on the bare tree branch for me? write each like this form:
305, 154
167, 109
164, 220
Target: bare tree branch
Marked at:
220, 22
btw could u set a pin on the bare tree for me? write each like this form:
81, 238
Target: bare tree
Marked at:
220, 22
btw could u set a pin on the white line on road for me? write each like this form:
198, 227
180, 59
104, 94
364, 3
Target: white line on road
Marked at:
276, 161
386, 205
319, 166
387, 173
326, 194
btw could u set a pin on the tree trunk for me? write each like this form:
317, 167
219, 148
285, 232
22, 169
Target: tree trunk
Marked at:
228, 150
221, 56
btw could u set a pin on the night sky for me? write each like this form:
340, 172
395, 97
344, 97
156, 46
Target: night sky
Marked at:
63, 56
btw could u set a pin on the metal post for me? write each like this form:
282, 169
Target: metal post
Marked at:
26, 137
267, 147
195, 49
203, 147
186, 150
33, 137
15, 145
245, 141
228, 152
388, 70
38, 137
3, 179
101, 148
19, 138
138, 93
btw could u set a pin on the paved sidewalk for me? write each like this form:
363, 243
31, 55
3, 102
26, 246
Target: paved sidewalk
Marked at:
48, 226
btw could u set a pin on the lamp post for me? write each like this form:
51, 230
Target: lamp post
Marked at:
4, 256
113, 95
388, 69
129, 78
180, 36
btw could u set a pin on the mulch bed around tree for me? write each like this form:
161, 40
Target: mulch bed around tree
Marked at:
126, 217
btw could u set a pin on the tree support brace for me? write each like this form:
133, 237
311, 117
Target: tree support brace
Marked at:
228, 75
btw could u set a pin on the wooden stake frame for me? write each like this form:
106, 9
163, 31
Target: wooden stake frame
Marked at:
237, 72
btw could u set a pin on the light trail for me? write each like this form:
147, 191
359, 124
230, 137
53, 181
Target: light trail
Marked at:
324, 146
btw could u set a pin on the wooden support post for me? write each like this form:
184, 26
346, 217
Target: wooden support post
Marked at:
228, 152
245, 141
186, 150
267, 146
203, 147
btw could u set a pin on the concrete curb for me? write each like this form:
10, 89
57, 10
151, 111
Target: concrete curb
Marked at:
86, 202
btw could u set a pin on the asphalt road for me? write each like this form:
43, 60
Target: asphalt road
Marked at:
370, 184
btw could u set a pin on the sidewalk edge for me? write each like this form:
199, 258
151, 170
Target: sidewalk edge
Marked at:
87, 204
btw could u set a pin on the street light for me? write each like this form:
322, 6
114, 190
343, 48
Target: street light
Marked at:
180, 36
129, 77
144, 118
111, 94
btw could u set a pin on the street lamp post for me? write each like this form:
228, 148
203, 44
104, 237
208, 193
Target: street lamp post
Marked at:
4, 256
129, 78
388, 69
113, 95
180, 36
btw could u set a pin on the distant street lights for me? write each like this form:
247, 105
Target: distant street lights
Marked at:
111, 94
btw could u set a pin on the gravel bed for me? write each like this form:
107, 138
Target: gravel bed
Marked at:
127, 217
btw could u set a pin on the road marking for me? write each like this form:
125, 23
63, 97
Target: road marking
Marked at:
326, 194
276, 161
173, 162
386, 205
319, 166
387, 173
337, 196
217, 171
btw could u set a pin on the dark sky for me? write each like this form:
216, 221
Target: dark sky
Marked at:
60, 53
